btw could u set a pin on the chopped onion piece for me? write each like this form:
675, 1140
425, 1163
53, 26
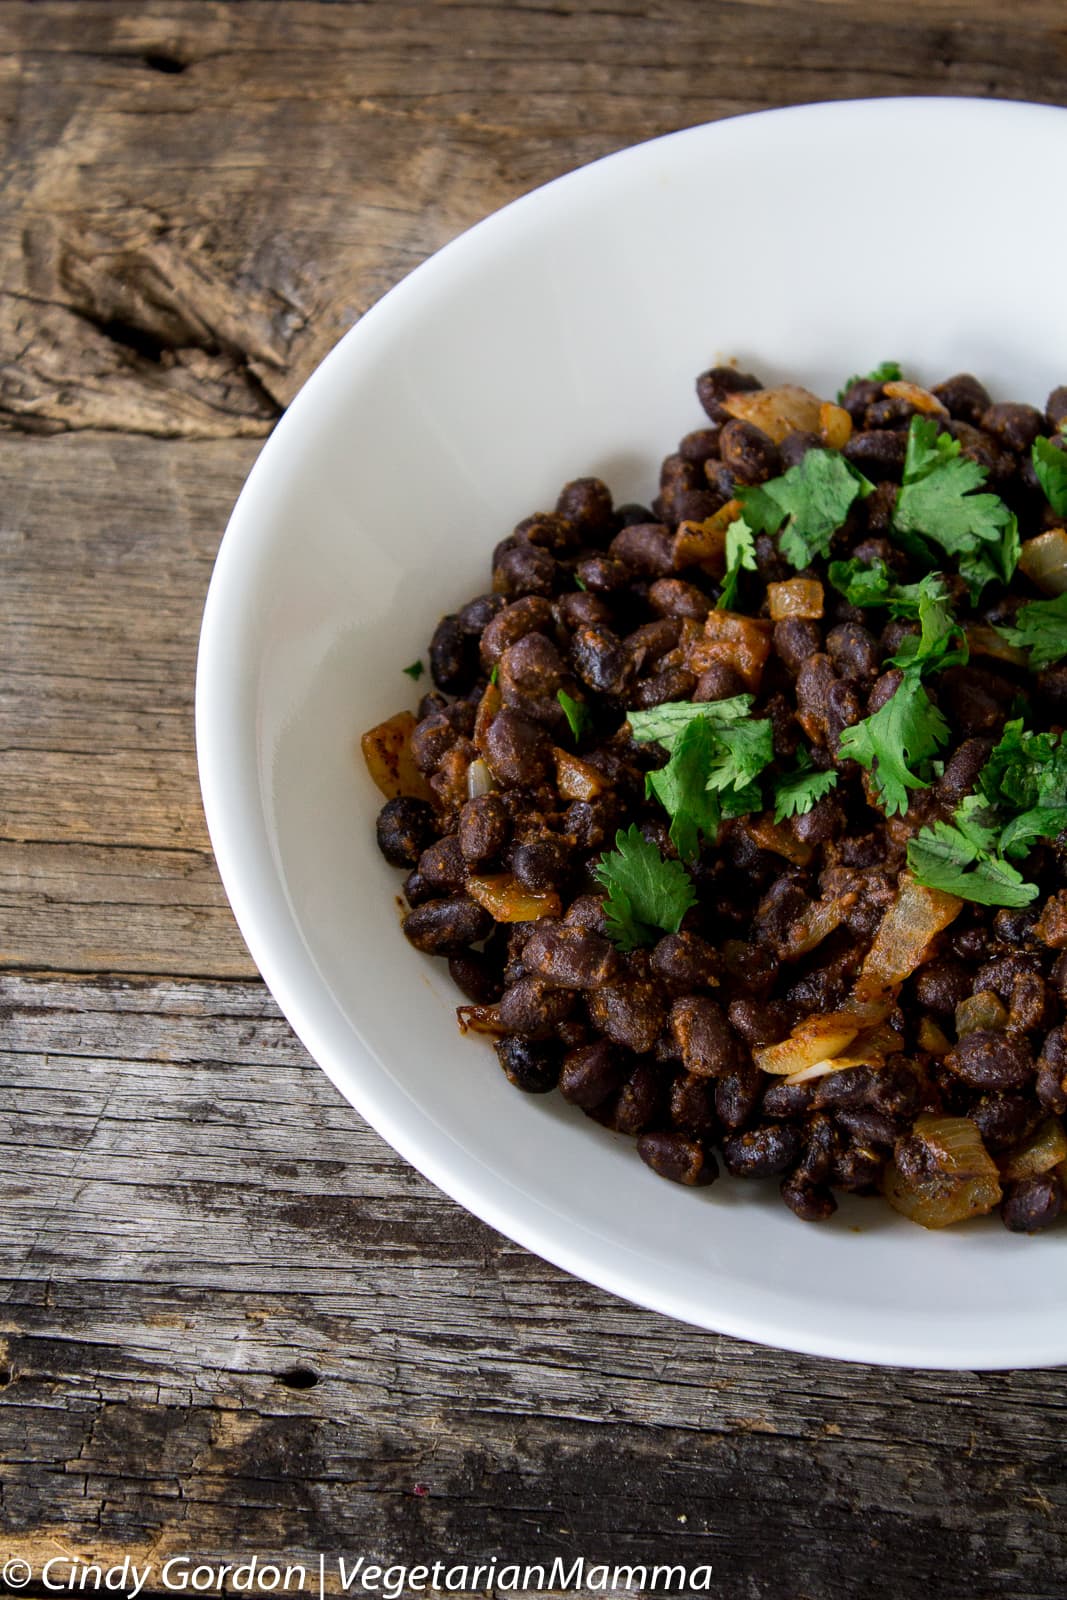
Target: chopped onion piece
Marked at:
821, 1069
703, 544
835, 425
921, 399
909, 927
932, 1038
488, 706
743, 643
784, 409
1044, 560
813, 1040
985, 641
796, 597
1044, 1149
387, 752
505, 899
981, 1010
813, 926
577, 780
772, 836
479, 1019
957, 1179
479, 779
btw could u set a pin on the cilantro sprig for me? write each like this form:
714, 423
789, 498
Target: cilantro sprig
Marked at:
1050, 465
909, 729
937, 506
963, 858
1041, 628
576, 712
806, 505
740, 556
884, 372
796, 792
647, 894
870, 584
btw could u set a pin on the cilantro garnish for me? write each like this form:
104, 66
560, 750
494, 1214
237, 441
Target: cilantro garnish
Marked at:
884, 372
741, 751
647, 895
1041, 628
937, 505
964, 860
1050, 465
581, 584
909, 728
796, 792
494, 675
740, 553
415, 670
681, 787
864, 584
1027, 775
577, 713
665, 723
808, 504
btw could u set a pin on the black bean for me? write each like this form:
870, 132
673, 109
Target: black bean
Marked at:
758, 1022
684, 962
781, 1099
1056, 409
999, 975
476, 976
796, 640
963, 397
699, 446
431, 739
822, 1147
810, 1202
1032, 1203
631, 1012
453, 656
477, 614
529, 1065
737, 1096
751, 455
719, 682
439, 927
586, 503
1004, 1119
578, 609
532, 1008
1016, 927
570, 958
988, 1059
1051, 1083
1015, 426
676, 683
763, 1152
541, 864
645, 548
962, 768
637, 1102
405, 827
602, 661
631, 513
705, 1041
549, 532
941, 986
673, 597
795, 446
858, 1170
442, 864
673, 1156
518, 751
717, 383
591, 823
484, 826
525, 569
869, 1129
587, 911
531, 673
416, 890
593, 1072
858, 396
891, 411
853, 651
879, 453
692, 1106
825, 820
530, 615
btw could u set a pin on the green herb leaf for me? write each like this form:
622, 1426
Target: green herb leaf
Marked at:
950, 858
1041, 628
796, 792
740, 553
1043, 822
581, 584
494, 675
812, 499
908, 729
870, 584
937, 503
577, 713
664, 723
1050, 465
647, 895
681, 787
884, 372
1025, 770
940, 642
415, 670
740, 752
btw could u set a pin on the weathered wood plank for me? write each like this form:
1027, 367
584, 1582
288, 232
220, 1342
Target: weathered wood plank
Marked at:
168, 271
194, 1225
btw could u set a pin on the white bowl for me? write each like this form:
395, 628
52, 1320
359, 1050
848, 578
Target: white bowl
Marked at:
559, 338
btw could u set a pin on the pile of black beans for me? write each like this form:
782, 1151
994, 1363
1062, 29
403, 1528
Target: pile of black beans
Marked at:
589, 598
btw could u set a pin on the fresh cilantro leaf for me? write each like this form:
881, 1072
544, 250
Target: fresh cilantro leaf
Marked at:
581, 584
1043, 822
864, 584
937, 504
740, 753
1041, 628
646, 894
796, 792
908, 729
949, 858
415, 670
940, 642
740, 553
577, 713
494, 675
1050, 465
1026, 769
884, 372
812, 500
681, 787
664, 723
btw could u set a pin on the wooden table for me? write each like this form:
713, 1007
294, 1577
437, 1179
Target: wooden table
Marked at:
236, 1323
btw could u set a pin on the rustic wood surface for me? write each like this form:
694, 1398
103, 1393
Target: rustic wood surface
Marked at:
235, 1322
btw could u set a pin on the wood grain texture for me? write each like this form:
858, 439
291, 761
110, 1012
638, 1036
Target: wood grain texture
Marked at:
234, 1321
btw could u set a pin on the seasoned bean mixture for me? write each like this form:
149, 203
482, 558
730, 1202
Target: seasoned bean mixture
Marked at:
740, 817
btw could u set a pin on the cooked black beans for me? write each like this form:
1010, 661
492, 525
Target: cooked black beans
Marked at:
614, 608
